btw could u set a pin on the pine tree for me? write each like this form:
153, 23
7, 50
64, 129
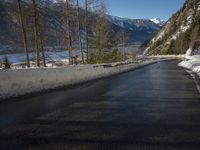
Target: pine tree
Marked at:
6, 63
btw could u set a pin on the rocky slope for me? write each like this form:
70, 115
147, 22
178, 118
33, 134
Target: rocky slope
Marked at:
182, 29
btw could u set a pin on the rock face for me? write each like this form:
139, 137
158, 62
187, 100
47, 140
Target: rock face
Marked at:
178, 33
195, 47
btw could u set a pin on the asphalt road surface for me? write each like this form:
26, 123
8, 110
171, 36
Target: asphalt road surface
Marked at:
153, 108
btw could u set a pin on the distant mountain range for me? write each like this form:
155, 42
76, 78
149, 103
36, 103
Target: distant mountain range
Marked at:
137, 30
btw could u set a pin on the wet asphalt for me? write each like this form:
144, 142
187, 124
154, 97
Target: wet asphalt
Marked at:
153, 108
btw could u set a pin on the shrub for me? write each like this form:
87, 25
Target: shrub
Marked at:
6, 64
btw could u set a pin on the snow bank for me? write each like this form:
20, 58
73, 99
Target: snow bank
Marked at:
188, 53
24, 81
167, 56
192, 63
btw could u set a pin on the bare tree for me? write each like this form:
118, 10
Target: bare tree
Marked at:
92, 8
86, 29
69, 29
79, 31
38, 36
102, 28
122, 40
26, 51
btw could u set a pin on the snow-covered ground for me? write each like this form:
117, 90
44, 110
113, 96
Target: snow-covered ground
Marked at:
50, 56
23, 81
191, 63
53, 59
167, 56
192, 60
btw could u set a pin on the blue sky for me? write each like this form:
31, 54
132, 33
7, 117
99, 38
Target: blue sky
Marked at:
144, 9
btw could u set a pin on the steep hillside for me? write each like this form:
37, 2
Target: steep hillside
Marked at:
179, 32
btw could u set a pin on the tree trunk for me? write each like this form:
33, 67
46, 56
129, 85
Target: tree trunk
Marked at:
36, 33
124, 54
38, 38
86, 28
69, 32
79, 32
26, 51
42, 51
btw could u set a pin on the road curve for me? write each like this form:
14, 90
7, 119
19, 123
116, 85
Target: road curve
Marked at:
155, 107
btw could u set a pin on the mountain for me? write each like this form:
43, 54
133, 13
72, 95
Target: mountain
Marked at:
134, 24
180, 31
158, 21
54, 28
138, 30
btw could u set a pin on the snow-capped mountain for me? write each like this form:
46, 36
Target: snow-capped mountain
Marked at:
158, 21
138, 30
133, 24
181, 30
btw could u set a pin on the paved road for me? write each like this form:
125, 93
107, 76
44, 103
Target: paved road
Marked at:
156, 107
